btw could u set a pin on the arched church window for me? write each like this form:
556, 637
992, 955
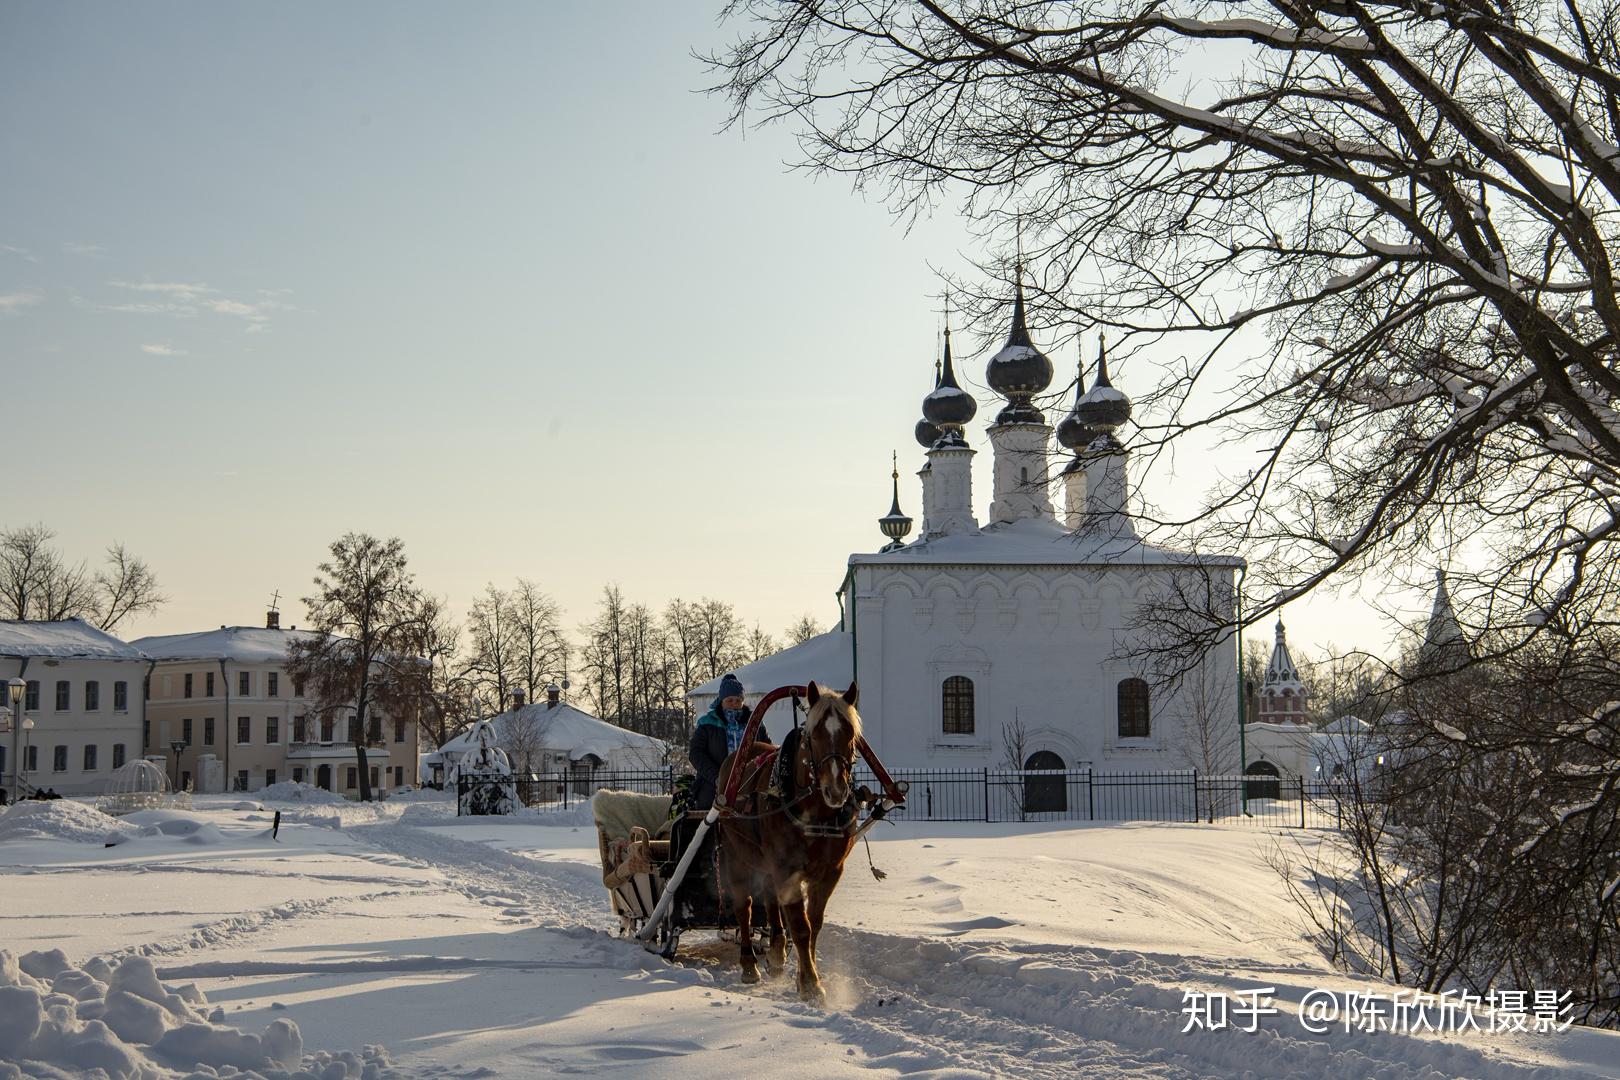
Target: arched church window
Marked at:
956, 701
1133, 709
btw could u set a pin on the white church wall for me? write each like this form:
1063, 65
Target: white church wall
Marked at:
1038, 645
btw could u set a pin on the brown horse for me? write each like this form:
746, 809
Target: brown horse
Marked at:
788, 847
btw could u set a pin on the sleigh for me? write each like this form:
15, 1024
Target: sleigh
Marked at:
662, 874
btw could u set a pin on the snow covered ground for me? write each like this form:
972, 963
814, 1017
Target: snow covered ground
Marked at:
398, 941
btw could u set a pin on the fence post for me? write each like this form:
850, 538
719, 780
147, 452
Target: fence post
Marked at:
1302, 802
987, 794
1091, 798
1198, 814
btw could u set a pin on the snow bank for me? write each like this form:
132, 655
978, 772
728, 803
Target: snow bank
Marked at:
292, 791
62, 819
56, 1019
182, 824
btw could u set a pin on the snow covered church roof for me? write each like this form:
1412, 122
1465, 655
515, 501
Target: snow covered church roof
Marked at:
1037, 541
243, 644
64, 638
559, 727
826, 658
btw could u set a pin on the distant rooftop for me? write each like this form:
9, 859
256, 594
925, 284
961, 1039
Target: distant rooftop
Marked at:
63, 639
243, 644
1038, 541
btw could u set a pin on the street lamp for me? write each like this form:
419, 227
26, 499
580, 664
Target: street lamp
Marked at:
16, 688
178, 746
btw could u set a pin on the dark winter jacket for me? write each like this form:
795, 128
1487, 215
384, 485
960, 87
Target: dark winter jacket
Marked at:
709, 749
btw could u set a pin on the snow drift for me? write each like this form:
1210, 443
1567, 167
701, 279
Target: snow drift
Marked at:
57, 1020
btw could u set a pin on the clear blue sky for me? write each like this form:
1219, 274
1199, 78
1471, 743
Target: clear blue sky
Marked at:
486, 277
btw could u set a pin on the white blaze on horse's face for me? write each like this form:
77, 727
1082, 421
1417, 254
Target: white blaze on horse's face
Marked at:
831, 731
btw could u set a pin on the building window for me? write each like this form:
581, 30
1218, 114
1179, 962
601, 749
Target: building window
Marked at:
92, 696
327, 724
31, 696
1133, 709
399, 731
399, 776
59, 759
118, 755
63, 695
272, 730
208, 685
300, 729
956, 705
208, 731
354, 775
354, 731
298, 688
298, 774
185, 730
269, 777
373, 773
120, 696
272, 685
243, 730
90, 757
31, 760
241, 780
188, 684
374, 731
244, 683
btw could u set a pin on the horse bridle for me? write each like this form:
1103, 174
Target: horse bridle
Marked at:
847, 768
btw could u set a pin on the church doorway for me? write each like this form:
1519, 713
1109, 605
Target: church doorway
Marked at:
1045, 794
323, 777
1262, 788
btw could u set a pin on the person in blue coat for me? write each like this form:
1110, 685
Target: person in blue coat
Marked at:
718, 733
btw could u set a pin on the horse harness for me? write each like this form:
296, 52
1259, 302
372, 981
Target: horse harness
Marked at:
784, 789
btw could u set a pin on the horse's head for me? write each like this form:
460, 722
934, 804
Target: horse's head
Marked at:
828, 742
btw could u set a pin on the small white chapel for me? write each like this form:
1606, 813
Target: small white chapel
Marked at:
1020, 620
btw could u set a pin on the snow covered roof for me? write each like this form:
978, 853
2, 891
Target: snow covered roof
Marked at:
63, 638
560, 727
824, 658
1038, 541
1345, 725
243, 644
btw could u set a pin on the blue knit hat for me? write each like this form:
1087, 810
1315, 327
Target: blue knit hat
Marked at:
730, 686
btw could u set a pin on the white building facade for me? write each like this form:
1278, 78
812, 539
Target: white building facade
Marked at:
225, 694
82, 709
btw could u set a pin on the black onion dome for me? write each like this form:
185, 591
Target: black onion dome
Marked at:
1074, 433
949, 406
1019, 371
1102, 406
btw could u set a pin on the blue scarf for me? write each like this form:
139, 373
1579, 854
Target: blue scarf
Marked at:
734, 729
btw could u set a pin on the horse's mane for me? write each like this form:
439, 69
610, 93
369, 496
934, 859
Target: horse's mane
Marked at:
824, 711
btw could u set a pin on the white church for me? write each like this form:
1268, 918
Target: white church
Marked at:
1022, 618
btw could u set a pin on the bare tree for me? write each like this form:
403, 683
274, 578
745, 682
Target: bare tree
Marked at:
38, 582
448, 696
494, 648
721, 639
126, 587
541, 649
1380, 237
1207, 740
760, 644
803, 629
1014, 755
368, 616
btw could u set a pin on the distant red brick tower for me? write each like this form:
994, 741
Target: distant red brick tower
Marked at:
1282, 695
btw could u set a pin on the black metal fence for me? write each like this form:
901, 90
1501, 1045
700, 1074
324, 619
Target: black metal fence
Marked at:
1006, 795
1083, 795
574, 787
